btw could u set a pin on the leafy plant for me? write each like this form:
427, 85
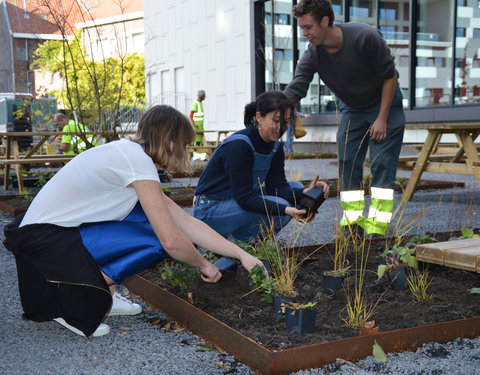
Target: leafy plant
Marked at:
300, 306
397, 256
179, 274
261, 283
418, 283
43, 177
421, 239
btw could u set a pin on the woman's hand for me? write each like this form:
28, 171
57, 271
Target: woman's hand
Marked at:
210, 273
316, 182
299, 214
249, 261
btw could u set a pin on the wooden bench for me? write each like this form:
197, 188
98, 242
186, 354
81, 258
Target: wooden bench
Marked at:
462, 254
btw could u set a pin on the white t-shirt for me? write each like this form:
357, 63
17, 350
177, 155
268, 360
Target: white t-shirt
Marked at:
92, 187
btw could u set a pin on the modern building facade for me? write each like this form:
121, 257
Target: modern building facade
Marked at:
235, 50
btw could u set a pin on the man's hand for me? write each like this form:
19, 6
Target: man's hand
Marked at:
378, 131
316, 182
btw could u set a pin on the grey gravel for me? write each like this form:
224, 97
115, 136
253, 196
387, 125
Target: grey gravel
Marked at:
136, 346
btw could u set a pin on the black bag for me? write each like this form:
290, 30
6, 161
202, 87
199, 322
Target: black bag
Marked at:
312, 199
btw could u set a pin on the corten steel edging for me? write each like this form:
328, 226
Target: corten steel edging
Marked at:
285, 361
356, 348
202, 324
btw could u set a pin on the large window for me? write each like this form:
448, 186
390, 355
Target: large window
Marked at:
467, 45
438, 65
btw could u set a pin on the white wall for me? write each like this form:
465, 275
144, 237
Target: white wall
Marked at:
211, 41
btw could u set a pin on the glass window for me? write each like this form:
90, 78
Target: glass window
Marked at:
394, 22
467, 72
433, 79
460, 32
363, 11
278, 52
282, 19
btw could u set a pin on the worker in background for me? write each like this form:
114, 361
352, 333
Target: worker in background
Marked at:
72, 144
197, 116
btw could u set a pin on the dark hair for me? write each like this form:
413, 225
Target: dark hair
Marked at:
160, 127
318, 9
270, 101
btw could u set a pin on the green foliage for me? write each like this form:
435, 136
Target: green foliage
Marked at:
261, 249
299, 306
418, 283
395, 257
475, 290
421, 239
92, 87
179, 274
261, 283
43, 177
466, 234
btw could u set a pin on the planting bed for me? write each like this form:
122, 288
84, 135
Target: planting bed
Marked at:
396, 312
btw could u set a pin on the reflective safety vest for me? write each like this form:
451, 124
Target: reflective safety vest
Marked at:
379, 213
197, 109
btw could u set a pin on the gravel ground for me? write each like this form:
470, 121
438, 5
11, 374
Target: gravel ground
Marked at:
138, 346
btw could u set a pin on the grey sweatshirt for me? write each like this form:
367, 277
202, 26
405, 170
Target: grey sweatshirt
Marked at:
355, 72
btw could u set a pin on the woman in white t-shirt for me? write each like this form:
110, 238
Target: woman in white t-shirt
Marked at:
102, 218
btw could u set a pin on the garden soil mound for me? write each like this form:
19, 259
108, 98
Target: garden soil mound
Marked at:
230, 301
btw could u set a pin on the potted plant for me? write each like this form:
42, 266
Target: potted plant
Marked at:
300, 318
333, 280
397, 259
260, 249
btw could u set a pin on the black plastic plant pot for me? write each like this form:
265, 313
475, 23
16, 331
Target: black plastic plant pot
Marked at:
277, 305
398, 279
332, 283
300, 320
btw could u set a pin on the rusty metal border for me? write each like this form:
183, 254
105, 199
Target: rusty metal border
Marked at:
285, 361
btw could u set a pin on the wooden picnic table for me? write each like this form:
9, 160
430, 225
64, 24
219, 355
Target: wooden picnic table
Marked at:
209, 146
13, 156
431, 158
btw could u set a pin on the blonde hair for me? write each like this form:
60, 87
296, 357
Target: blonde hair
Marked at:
165, 135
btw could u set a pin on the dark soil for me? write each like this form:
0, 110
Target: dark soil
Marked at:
228, 301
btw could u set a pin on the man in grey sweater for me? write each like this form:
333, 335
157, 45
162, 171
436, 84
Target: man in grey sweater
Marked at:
354, 61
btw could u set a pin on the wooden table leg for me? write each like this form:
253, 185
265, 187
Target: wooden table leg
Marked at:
422, 159
6, 178
471, 153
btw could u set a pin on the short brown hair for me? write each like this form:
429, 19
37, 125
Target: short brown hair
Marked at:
160, 127
318, 9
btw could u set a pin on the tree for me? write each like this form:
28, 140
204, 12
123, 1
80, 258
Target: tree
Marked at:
95, 88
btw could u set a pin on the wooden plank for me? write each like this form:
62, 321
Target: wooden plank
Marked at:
436, 252
464, 259
452, 168
35, 160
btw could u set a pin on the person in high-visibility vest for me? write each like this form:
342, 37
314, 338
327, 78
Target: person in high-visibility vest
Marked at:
197, 116
355, 62
72, 144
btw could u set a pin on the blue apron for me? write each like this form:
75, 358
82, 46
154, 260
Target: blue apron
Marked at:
123, 248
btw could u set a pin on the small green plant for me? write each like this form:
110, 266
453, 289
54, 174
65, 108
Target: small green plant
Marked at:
261, 283
421, 239
165, 189
418, 283
179, 274
299, 306
397, 256
466, 234
43, 177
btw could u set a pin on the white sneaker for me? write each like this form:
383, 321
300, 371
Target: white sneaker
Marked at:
122, 306
102, 329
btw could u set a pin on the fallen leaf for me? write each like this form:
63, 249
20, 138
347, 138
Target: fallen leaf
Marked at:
123, 334
154, 320
221, 365
475, 290
178, 330
190, 297
184, 341
203, 348
378, 353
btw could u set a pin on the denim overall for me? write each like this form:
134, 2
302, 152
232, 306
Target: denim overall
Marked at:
123, 248
221, 211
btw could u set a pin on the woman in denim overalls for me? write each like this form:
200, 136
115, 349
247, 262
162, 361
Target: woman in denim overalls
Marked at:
243, 186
